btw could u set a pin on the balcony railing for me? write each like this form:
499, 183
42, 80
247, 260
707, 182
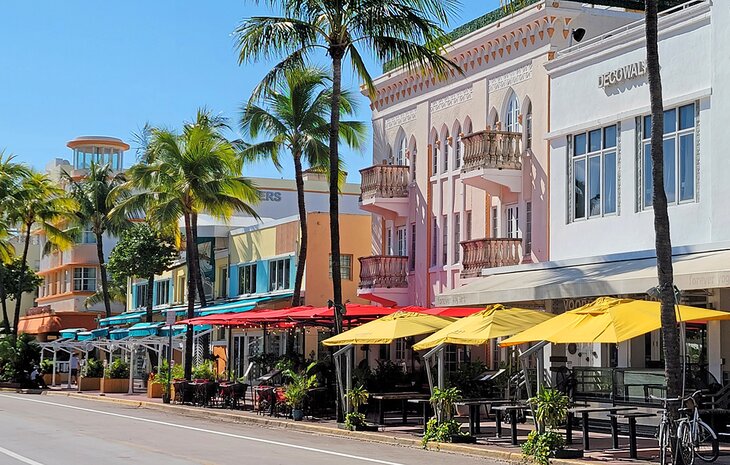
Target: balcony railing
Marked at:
384, 181
492, 150
383, 271
489, 253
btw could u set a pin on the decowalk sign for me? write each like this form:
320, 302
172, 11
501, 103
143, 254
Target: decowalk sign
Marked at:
624, 73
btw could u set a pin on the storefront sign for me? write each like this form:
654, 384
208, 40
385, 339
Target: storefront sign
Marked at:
268, 196
624, 73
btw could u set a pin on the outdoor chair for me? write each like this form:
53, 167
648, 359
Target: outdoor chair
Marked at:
239, 393
281, 408
182, 391
265, 400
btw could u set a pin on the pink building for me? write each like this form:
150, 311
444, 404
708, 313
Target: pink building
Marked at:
460, 181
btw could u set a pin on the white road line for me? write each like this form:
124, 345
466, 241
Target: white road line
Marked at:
18, 457
201, 430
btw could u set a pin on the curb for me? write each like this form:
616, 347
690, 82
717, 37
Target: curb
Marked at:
383, 438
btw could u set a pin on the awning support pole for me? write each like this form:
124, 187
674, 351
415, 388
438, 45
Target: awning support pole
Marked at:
53, 377
537, 348
438, 352
130, 390
338, 371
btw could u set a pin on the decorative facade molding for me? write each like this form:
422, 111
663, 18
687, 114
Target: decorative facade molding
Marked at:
451, 100
400, 119
509, 79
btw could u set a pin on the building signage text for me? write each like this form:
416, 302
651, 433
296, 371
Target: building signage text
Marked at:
268, 196
624, 73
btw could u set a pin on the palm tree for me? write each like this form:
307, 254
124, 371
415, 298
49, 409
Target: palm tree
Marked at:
407, 30
294, 119
38, 203
663, 241
92, 193
181, 175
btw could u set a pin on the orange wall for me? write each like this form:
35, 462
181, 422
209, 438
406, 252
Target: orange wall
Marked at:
354, 240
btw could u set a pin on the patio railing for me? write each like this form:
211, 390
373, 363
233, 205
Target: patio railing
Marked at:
489, 253
384, 182
383, 271
492, 149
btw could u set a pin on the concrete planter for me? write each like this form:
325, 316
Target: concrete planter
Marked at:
89, 384
155, 390
110, 386
61, 378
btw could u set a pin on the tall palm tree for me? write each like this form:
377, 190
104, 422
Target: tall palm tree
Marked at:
407, 30
663, 241
181, 175
38, 203
93, 194
294, 118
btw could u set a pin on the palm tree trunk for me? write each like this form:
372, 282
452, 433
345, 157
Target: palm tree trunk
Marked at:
102, 271
665, 273
337, 54
150, 296
21, 280
3, 299
302, 258
196, 258
188, 362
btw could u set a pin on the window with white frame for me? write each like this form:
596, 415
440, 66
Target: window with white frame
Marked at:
447, 152
445, 240
457, 238
401, 245
279, 271
434, 241
400, 350
85, 279
401, 157
162, 290
513, 222
512, 118
528, 228
680, 157
495, 223
141, 295
88, 237
412, 255
594, 172
247, 279
345, 266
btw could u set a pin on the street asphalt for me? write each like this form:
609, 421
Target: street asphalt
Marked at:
41, 430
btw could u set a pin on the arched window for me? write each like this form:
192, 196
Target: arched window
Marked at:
447, 152
511, 120
528, 126
458, 146
401, 157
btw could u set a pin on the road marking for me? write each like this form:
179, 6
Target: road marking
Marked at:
200, 430
19, 458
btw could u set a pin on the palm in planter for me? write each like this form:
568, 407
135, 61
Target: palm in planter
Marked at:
550, 407
357, 396
297, 390
443, 427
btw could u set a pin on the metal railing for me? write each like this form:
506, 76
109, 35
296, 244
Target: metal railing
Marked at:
489, 253
389, 271
384, 181
492, 149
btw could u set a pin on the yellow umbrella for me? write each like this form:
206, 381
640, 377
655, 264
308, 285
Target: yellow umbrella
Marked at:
394, 326
608, 320
477, 329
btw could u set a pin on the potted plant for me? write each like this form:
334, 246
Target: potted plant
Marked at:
46, 369
297, 390
550, 408
91, 374
355, 420
116, 377
442, 427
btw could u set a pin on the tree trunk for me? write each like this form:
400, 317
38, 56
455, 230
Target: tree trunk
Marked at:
21, 280
302, 258
3, 300
102, 272
665, 274
188, 362
196, 258
150, 296
337, 55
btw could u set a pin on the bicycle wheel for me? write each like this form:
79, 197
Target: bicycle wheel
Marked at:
707, 447
685, 447
663, 439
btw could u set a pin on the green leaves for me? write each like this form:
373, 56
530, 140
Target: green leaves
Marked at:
140, 241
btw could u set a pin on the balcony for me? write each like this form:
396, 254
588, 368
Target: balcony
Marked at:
493, 159
489, 253
384, 190
383, 279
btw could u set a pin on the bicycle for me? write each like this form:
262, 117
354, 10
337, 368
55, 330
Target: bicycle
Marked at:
664, 431
695, 437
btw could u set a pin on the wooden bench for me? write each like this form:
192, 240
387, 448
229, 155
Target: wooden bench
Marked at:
631, 416
584, 412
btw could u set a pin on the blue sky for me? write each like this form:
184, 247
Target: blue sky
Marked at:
83, 67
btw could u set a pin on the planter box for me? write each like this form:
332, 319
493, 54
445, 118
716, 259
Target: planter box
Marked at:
567, 454
463, 439
110, 386
89, 384
155, 390
61, 378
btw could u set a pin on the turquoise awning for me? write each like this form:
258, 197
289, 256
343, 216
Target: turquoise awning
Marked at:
100, 333
177, 330
238, 306
70, 333
144, 329
118, 334
123, 319
84, 336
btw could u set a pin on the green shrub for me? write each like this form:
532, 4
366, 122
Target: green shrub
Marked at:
92, 369
443, 402
298, 389
46, 366
18, 360
440, 432
540, 446
551, 408
353, 420
118, 369
204, 370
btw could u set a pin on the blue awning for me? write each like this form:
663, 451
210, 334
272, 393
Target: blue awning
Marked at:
123, 319
84, 336
238, 306
180, 329
70, 333
118, 334
100, 332
144, 329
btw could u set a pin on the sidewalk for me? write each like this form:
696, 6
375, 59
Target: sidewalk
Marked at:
409, 436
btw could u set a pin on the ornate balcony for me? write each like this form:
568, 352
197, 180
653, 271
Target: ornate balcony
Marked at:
493, 157
383, 278
489, 253
384, 190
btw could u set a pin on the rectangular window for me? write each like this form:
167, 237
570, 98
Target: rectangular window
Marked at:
594, 172
447, 154
141, 295
528, 228
247, 279
457, 237
345, 266
495, 223
468, 225
162, 292
679, 156
459, 152
445, 240
412, 255
85, 279
223, 282
88, 237
435, 160
279, 271
434, 241
389, 241
513, 222
401, 242
400, 350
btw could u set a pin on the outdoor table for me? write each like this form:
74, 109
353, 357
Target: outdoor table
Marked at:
402, 396
426, 409
512, 411
474, 404
631, 416
584, 412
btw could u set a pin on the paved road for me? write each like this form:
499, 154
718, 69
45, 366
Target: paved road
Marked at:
45, 430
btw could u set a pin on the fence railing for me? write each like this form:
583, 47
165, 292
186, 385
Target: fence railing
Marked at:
389, 271
492, 149
384, 181
489, 253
